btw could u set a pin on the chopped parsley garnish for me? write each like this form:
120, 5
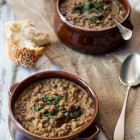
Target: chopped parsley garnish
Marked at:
51, 101
91, 19
37, 108
63, 110
95, 17
54, 100
79, 8
77, 108
76, 112
98, 16
49, 115
91, 7
64, 97
98, 5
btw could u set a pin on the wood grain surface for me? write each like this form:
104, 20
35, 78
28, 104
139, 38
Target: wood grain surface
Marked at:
10, 73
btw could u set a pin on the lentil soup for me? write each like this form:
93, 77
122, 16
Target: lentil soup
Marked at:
54, 107
91, 14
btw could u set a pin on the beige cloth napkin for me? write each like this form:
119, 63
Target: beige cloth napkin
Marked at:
101, 72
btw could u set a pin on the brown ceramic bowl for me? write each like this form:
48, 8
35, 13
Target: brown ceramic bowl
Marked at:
19, 133
90, 41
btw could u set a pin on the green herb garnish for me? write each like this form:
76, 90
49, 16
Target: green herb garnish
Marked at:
79, 8
98, 5
77, 108
49, 115
64, 97
95, 17
76, 112
98, 16
46, 100
90, 7
91, 19
37, 108
51, 101
55, 101
63, 110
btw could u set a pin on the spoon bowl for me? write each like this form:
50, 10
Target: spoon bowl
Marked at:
130, 76
115, 9
130, 70
125, 32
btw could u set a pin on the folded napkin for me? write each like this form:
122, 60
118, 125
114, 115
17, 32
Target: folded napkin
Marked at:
101, 72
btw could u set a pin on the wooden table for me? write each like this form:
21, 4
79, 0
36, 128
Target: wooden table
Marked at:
10, 74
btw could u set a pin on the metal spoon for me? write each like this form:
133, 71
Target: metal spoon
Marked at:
130, 76
125, 32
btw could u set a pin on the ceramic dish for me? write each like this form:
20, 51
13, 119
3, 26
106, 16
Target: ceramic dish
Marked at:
87, 40
19, 132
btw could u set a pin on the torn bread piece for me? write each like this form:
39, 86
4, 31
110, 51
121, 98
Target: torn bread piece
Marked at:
26, 43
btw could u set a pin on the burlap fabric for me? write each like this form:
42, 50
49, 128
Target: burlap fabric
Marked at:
101, 72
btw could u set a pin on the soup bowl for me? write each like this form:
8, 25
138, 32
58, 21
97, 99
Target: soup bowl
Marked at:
18, 132
90, 41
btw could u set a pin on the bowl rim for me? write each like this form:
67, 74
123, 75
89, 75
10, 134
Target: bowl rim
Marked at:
66, 75
126, 3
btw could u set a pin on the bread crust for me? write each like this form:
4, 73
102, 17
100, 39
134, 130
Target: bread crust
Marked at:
23, 55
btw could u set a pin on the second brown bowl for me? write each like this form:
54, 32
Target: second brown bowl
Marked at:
90, 41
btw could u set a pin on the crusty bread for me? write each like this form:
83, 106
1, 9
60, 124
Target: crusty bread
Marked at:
26, 43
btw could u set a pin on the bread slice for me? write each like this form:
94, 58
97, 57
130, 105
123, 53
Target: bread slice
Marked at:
26, 43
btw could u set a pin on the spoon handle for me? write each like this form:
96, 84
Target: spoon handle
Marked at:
119, 129
125, 32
